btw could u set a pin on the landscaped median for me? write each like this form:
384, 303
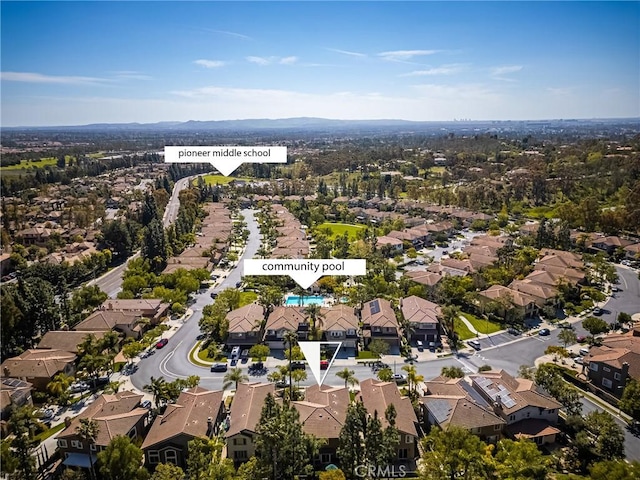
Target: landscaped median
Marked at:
195, 356
481, 325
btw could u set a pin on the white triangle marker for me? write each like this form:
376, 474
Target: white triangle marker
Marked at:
311, 351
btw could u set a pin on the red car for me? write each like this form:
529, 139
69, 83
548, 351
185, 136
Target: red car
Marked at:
324, 364
162, 343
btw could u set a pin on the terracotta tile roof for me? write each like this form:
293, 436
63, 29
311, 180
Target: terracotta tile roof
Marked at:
417, 310
188, 416
377, 396
617, 350
107, 320
424, 278
465, 264
245, 319
379, 313
66, 340
287, 318
496, 292
246, 407
539, 290
336, 399
339, 317
319, 420
460, 412
531, 428
37, 363
388, 240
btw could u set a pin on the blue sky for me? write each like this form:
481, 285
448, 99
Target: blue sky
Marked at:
70, 63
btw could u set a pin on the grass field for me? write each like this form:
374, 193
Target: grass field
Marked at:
462, 330
216, 179
247, 297
338, 229
482, 325
30, 164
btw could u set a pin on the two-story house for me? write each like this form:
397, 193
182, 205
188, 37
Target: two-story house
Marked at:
423, 317
38, 367
197, 413
615, 362
119, 414
379, 321
527, 409
285, 319
244, 416
340, 324
245, 325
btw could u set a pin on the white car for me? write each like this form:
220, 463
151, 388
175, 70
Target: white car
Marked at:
78, 387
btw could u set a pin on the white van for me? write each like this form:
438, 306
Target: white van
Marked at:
235, 353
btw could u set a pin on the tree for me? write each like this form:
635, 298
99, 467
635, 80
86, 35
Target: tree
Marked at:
249, 470
452, 372
520, 460
132, 350
59, 387
624, 318
567, 337
205, 462
348, 376
630, 401
88, 431
385, 375
121, 460
413, 378
23, 424
87, 298
158, 388
378, 347
167, 471
351, 450
595, 325
547, 376
290, 339
154, 247
449, 316
600, 438
614, 470
453, 454
234, 376
316, 317
260, 352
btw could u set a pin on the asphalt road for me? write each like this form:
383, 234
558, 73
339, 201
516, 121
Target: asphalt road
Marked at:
111, 282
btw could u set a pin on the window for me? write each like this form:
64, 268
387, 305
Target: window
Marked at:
132, 433
93, 447
171, 456
607, 383
62, 443
325, 458
593, 366
512, 418
606, 369
497, 427
617, 376
76, 444
403, 453
351, 331
336, 334
239, 441
154, 456
240, 455
408, 439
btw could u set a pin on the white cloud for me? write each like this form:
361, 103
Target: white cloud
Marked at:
347, 52
288, 60
400, 55
210, 63
130, 75
259, 60
499, 73
231, 34
451, 69
30, 77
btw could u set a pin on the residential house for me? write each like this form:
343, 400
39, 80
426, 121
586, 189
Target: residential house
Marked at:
615, 362
611, 244
451, 402
502, 296
632, 252
13, 393
285, 319
322, 414
198, 413
66, 340
542, 293
340, 324
244, 416
118, 414
393, 245
528, 411
429, 279
245, 325
379, 321
38, 367
151, 308
130, 324
423, 316
376, 397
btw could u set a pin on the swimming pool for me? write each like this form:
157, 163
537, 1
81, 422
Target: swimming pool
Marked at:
295, 300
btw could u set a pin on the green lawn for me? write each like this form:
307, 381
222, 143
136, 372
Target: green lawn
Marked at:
338, 229
463, 331
30, 164
216, 179
48, 432
366, 355
437, 170
247, 297
482, 325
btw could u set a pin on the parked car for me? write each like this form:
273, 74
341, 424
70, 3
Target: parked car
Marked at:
420, 345
214, 295
475, 344
284, 383
544, 332
235, 353
597, 311
245, 354
146, 404
513, 331
615, 289
256, 367
298, 365
77, 387
219, 367
399, 378
584, 351
46, 413
578, 360
566, 325
581, 339
324, 364
162, 343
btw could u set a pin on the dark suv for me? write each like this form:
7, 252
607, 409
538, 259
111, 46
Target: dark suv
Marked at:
298, 365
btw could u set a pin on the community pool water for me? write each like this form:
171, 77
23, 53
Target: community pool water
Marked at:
295, 300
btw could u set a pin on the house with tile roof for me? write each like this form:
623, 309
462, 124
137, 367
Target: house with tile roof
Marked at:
118, 414
38, 367
198, 413
611, 365
66, 340
525, 304
285, 319
428, 279
340, 324
130, 324
244, 416
376, 397
528, 410
424, 318
451, 402
244, 325
151, 308
379, 321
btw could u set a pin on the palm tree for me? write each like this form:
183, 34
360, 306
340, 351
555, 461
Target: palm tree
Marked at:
316, 316
298, 376
385, 375
236, 376
59, 386
158, 388
290, 338
348, 376
413, 378
88, 431
113, 387
449, 316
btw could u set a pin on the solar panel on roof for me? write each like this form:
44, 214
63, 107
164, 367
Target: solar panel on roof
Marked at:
440, 410
375, 307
